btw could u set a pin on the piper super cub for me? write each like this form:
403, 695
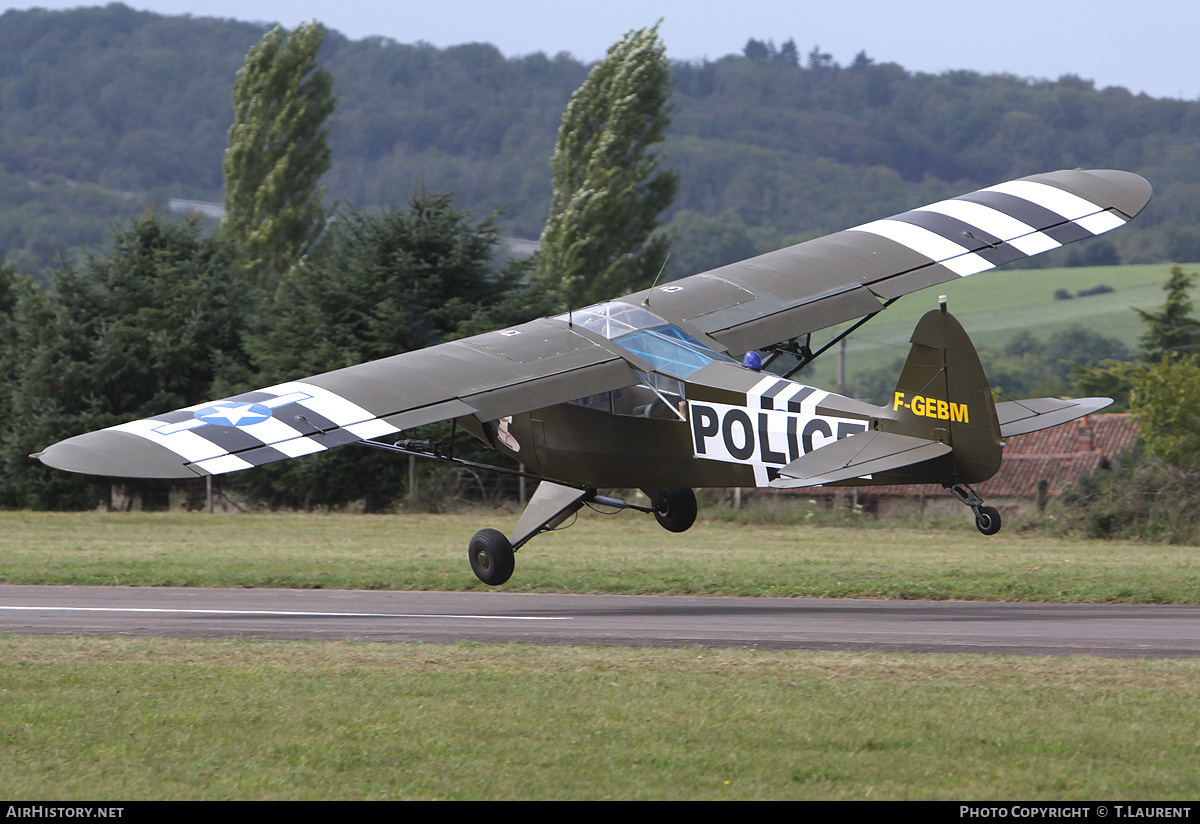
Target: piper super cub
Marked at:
663, 390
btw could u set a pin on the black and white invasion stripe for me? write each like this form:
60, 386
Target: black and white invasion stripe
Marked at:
774, 393
778, 393
997, 225
303, 419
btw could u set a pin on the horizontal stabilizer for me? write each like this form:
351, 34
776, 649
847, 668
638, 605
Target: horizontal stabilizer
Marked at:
864, 453
1019, 417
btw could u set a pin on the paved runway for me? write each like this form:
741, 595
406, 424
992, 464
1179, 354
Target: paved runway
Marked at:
1119, 630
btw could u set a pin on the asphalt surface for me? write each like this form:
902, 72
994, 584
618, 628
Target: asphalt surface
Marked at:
1116, 630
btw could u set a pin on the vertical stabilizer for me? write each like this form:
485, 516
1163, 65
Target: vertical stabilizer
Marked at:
943, 395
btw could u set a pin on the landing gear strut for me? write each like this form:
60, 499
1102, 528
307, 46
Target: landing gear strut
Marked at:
987, 518
491, 553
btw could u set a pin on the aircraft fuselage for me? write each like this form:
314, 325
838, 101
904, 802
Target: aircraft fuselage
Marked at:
735, 427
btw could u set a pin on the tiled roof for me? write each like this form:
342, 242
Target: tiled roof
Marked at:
1058, 455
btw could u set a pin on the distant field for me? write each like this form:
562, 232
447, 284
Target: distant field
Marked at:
995, 306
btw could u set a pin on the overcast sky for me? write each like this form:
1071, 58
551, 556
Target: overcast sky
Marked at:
1146, 46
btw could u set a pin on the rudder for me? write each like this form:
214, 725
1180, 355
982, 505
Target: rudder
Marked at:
943, 395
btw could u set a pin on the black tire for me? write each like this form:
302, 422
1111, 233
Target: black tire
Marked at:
987, 520
491, 556
675, 508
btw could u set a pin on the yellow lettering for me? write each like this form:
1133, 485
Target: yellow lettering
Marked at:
933, 408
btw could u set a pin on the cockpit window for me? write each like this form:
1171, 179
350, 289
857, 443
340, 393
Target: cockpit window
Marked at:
657, 396
613, 319
665, 347
669, 349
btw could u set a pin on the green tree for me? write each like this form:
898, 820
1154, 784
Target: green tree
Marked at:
10, 356
1172, 330
703, 243
278, 152
381, 283
600, 239
1150, 493
1166, 397
138, 332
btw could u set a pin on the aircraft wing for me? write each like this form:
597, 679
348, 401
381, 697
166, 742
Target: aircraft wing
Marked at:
1019, 417
507, 372
850, 274
743, 306
856, 456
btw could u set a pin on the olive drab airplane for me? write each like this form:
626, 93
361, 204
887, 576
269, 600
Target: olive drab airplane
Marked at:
662, 390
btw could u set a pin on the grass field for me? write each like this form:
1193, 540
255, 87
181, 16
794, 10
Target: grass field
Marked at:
112, 719
124, 719
625, 553
994, 306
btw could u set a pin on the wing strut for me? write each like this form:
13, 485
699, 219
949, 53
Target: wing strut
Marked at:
804, 354
422, 448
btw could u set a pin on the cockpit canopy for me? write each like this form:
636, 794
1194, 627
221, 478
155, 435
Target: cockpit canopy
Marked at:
667, 348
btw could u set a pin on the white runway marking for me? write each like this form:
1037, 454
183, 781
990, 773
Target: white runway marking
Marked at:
289, 614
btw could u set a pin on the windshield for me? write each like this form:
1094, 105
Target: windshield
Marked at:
665, 347
671, 350
613, 319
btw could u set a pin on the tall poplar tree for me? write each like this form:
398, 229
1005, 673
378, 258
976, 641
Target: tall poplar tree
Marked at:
600, 239
278, 152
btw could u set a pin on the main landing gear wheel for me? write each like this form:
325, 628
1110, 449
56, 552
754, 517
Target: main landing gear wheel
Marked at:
492, 558
987, 520
675, 508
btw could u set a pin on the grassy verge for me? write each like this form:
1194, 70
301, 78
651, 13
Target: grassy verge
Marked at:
133, 719
624, 553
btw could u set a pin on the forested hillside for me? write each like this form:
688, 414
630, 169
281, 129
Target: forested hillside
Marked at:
106, 110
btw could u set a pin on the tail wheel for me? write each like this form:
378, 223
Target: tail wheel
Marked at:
492, 558
987, 520
675, 508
